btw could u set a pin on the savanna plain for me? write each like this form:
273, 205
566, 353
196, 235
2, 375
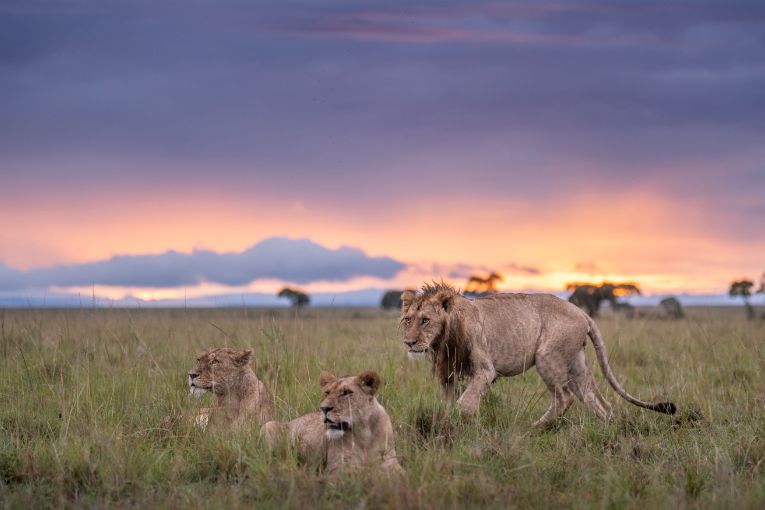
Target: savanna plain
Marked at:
83, 393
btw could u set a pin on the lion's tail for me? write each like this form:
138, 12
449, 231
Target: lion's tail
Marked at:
600, 350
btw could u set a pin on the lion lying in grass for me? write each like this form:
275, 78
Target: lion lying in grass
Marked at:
351, 429
240, 398
505, 335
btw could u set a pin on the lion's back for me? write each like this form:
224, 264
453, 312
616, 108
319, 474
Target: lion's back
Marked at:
309, 428
546, 307
514, 324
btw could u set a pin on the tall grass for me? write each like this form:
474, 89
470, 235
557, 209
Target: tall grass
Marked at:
82, 394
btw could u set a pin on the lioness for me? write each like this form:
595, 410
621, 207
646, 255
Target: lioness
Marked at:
239, 395
351, 429
504, 335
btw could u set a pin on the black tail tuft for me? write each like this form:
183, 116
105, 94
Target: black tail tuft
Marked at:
664, 407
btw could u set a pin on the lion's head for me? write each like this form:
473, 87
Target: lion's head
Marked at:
218, 370
347, 400
425, 317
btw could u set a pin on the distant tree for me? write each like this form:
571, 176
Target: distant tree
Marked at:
478, 285
589, 297
391, 300
585, 296
672, 307
743, 288
761, 290
298, 298
624, 289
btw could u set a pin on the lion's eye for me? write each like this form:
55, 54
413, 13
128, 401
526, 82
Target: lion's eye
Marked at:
214, 362
425, 321
345, 393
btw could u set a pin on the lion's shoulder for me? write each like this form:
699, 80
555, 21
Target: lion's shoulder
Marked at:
540, 303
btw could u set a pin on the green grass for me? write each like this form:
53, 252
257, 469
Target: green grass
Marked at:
82, 393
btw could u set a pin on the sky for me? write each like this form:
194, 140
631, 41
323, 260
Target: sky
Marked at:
165, 149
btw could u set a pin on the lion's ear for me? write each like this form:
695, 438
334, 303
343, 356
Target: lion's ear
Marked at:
242, 358
369, 381
407, 297
326, 378
445, 298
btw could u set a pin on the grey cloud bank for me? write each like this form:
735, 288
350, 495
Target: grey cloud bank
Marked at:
297, 261
305, 96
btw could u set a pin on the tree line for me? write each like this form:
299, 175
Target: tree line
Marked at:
586, 295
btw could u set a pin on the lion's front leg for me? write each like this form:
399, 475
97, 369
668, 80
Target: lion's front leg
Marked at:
471, 398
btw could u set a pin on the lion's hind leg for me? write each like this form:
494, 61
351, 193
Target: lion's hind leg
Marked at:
584, 387
554, 372
561, 401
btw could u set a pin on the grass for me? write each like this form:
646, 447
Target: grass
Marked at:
82, 393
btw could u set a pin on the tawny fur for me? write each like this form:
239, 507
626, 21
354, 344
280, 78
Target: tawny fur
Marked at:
505, 335
349, 403
240, 398
306, 433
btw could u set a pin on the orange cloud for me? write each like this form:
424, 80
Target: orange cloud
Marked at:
664, 244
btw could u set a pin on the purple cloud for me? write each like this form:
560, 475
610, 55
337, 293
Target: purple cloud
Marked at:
340, 102
292, 260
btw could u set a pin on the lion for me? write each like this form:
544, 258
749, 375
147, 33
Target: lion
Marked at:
350, 430
504, 335
240, 397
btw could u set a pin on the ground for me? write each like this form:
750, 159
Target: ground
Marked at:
83, 392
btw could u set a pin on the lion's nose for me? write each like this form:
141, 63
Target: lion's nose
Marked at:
326, 409
409, 343
193, 375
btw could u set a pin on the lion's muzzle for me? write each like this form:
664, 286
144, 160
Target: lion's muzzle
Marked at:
334, 428
415, 349
195, 390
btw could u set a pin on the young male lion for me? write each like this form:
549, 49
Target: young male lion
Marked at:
240, 397
504, 335
351, 429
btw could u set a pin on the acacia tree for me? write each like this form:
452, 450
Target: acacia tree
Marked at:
743, 288
589, 297
298, 298
478, 285
586, 296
